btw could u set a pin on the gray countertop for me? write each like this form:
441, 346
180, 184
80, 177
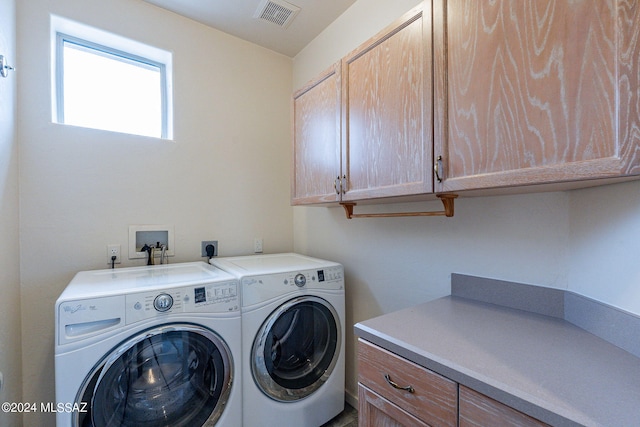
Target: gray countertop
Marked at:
541, 365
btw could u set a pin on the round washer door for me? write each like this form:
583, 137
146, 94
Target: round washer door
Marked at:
173, 375
296, 348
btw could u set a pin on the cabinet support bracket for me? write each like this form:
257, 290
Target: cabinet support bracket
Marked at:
447, 201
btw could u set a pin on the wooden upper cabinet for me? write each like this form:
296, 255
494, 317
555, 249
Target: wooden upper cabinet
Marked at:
316, 139
532, 91
387, 115
493, 94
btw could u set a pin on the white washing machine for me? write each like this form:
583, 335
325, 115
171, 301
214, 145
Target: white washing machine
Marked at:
293, 316
149, 346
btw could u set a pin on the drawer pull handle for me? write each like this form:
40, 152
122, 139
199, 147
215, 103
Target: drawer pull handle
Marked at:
408, 388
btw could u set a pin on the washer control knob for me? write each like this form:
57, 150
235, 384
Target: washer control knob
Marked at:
300, 280
163, 302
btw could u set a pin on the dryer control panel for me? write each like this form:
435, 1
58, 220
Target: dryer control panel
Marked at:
257, 289
201, 298
322, 278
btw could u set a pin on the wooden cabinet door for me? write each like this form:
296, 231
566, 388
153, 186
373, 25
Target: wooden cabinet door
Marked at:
316, 139
534, 91
375, 410
387, 118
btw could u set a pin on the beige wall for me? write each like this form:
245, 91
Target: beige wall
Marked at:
605, 244
225, 177
9, 225
567, 240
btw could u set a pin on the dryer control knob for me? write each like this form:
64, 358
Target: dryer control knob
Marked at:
300, 280
163, 302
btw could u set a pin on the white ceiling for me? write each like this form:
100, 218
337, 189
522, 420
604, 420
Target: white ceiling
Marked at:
236, 17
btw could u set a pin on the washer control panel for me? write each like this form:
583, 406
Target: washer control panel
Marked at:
202, 298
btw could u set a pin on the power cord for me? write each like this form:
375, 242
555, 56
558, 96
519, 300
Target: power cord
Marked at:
113, 261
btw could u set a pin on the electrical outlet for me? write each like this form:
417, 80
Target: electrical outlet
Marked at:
206, 243
111, 251
257, 245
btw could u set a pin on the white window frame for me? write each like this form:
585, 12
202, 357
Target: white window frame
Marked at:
112, 46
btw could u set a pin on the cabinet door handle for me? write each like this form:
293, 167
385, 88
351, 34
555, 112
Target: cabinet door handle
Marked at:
408, 388
437, 168
335, 184
343, 184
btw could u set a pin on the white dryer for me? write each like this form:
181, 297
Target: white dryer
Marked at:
293, 328
149, 346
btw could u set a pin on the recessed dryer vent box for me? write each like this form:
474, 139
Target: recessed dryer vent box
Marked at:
140, 235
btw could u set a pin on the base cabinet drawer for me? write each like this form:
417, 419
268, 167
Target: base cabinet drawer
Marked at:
420, 392
478, 410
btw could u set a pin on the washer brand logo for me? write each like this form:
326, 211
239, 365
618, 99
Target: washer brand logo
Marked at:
250, 282
71, 309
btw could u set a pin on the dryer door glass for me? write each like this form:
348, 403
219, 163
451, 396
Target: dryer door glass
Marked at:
177, 375
296, 349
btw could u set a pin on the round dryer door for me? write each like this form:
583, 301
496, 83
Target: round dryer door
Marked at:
296, 348
174, 375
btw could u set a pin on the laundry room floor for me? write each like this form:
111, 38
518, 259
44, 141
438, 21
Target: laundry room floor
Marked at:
348, 418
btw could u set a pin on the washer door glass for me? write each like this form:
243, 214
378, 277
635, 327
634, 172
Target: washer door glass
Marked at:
296, 349
177, 375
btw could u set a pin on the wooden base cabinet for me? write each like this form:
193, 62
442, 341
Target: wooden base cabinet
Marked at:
391, 387
393, 391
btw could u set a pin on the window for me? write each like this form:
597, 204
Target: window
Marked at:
101, 84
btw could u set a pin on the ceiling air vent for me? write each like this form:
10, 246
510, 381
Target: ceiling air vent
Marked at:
277, 12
